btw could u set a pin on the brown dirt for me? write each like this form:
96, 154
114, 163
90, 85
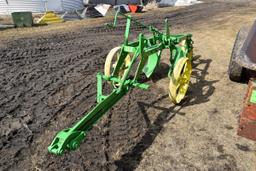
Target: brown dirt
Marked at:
48, 82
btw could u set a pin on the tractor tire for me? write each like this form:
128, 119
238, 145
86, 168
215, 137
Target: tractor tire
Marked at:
236, 71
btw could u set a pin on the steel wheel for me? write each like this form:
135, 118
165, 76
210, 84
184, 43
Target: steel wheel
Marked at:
111, 62
180, 78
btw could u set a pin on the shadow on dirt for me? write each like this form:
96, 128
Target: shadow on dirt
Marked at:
201, 91
161, 72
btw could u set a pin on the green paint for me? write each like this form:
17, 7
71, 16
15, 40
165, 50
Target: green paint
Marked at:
253, 96
145, 49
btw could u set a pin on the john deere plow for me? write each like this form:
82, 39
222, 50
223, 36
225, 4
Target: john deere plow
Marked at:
123, 67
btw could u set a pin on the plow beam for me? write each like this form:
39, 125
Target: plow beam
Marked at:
71, 138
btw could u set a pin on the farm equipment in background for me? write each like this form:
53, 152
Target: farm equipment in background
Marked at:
242, 67
247, 121
22, 19
50, 18
123, 67
93, 10
243, 57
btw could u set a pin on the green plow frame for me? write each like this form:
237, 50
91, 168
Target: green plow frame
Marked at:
146, 50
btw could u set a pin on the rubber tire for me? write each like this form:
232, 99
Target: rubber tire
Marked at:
236, 71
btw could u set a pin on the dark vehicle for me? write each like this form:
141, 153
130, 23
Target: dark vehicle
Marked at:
243, 57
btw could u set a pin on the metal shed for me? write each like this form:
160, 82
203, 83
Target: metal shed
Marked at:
116, 2
38, 6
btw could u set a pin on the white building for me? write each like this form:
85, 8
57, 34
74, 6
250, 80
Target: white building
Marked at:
39, 6
177, 2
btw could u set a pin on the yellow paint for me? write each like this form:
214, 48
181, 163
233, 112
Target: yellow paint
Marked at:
50, 17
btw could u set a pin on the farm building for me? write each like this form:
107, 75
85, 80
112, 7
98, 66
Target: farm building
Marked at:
39, 6
117, 2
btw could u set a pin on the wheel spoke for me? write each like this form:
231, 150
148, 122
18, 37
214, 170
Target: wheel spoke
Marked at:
181, 73
111, 63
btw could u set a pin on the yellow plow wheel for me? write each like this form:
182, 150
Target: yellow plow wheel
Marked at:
111, 62
179, 82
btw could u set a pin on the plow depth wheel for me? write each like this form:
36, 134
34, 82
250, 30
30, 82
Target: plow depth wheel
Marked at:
111, 62
180, 78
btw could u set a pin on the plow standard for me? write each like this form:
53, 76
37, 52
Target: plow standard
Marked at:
123, 67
